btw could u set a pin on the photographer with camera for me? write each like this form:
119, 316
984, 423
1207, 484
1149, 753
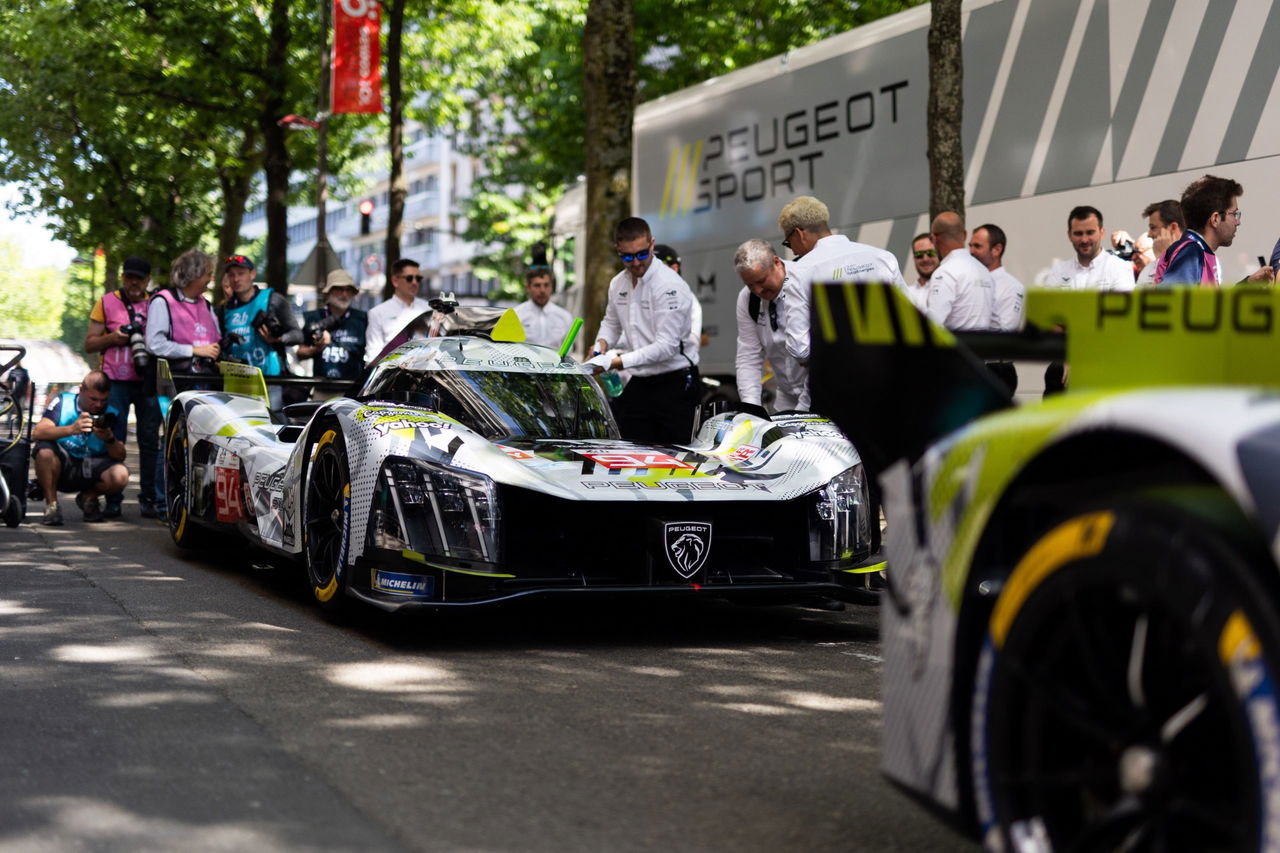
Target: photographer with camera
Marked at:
335, 334
77, 450
263, 318
117, 327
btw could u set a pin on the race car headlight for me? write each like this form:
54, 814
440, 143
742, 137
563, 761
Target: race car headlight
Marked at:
437, 511
839, 518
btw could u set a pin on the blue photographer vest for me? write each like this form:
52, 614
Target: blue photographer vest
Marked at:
81, 444
255, 350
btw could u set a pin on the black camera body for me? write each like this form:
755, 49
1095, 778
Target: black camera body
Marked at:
207, 366
1124, 251
137, 345
274, 327
104, 420
315, 329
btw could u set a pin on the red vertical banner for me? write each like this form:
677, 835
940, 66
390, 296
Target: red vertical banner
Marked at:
357, 58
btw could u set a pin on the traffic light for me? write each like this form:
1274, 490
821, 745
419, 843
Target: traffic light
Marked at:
366, 213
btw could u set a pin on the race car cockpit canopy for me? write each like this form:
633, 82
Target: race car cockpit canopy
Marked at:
501, 391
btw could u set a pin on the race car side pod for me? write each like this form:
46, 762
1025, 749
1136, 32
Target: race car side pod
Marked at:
891, 380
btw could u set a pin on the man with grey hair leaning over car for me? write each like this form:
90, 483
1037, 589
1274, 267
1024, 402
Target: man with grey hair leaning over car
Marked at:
823, 256
761, 333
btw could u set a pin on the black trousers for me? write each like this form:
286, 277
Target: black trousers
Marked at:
659, 409
1006, 373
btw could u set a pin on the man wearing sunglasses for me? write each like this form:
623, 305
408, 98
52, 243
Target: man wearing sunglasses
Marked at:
650, 306
925, 257
823, 256
760, 334
389, 319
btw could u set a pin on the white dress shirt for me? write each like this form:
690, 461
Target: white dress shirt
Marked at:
918, 294
833, 258
1147, 278
758, 342
655, 315
1011, 301
388, 320
1105, 272
544, 325
962, 294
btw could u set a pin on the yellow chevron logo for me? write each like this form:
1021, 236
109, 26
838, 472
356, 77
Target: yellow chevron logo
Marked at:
682, 177
870, 318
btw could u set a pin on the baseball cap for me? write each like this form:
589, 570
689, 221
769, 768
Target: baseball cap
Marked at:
666, 254
237, 261
338, 278
134, 265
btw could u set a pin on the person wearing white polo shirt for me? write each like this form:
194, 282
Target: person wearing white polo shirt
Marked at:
389, 319
962, 294
1091, 268
545, 323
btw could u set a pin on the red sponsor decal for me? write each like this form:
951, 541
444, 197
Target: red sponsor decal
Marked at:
226, 493
357, 60
637, 460
516, 453
743, 452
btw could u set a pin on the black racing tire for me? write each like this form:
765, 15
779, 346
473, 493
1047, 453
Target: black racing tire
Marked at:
177, 487
326, 527
1126, 693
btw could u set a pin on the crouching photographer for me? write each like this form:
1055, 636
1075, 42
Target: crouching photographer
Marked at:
335, 334
77, 450
264, 321
117, 329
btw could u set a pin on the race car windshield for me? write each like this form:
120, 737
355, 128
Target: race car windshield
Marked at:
503, 405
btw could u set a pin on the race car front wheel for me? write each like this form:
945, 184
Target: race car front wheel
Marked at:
177, 472
327, 520
1125, 697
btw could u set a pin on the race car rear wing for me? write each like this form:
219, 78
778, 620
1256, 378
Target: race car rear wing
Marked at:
895, 382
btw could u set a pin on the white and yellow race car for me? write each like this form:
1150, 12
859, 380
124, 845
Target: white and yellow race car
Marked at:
1080, 630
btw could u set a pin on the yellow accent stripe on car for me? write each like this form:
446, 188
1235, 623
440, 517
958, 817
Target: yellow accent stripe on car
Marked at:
1083, 536
866, 570
422, 558
1237, 642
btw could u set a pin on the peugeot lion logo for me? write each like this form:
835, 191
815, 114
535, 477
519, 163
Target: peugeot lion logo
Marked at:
687, 544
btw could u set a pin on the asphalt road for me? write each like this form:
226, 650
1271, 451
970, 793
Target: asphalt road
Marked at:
157, 700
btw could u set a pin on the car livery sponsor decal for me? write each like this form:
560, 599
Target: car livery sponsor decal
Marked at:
226, 494
398, 583
516, 453
683, 484
634, 459
742, 453
687, 545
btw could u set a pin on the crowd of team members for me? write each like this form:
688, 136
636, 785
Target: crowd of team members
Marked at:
650, 334
649, 338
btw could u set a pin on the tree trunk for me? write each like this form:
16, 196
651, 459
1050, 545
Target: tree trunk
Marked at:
946, 109
235, 194
276, 159
111, 279
395, 141
609, 95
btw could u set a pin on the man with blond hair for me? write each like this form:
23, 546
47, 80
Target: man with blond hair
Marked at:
823, 256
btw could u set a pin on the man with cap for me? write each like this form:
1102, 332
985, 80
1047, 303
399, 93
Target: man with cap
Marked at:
545, 323
263, 318
335, 333
117, 329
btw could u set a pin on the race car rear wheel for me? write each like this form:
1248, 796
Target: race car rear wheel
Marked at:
1125, 696
177, 487
327, 521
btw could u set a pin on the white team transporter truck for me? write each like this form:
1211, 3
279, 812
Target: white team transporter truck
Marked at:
1111, 103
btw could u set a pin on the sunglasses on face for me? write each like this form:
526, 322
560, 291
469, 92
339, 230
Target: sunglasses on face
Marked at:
926, 253
238, 260
412, 277
786, 241
642, 255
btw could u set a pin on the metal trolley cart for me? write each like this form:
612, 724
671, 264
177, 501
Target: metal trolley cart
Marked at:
17, 403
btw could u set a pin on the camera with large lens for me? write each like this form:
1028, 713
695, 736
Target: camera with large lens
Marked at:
316, 328
274, 327
204, 365
1124, 251
137, 345
104, 420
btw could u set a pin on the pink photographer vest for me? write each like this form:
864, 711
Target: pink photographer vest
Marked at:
190, 322
117, 362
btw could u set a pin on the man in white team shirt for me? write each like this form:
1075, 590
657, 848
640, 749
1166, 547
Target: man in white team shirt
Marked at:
987, 245
649, 308
389, 319
925, 257
1091, 268
962, 294
823, 256
545, 323
761, 335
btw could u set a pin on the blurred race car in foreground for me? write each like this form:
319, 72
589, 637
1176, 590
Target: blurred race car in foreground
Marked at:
473, 468
1080, 627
